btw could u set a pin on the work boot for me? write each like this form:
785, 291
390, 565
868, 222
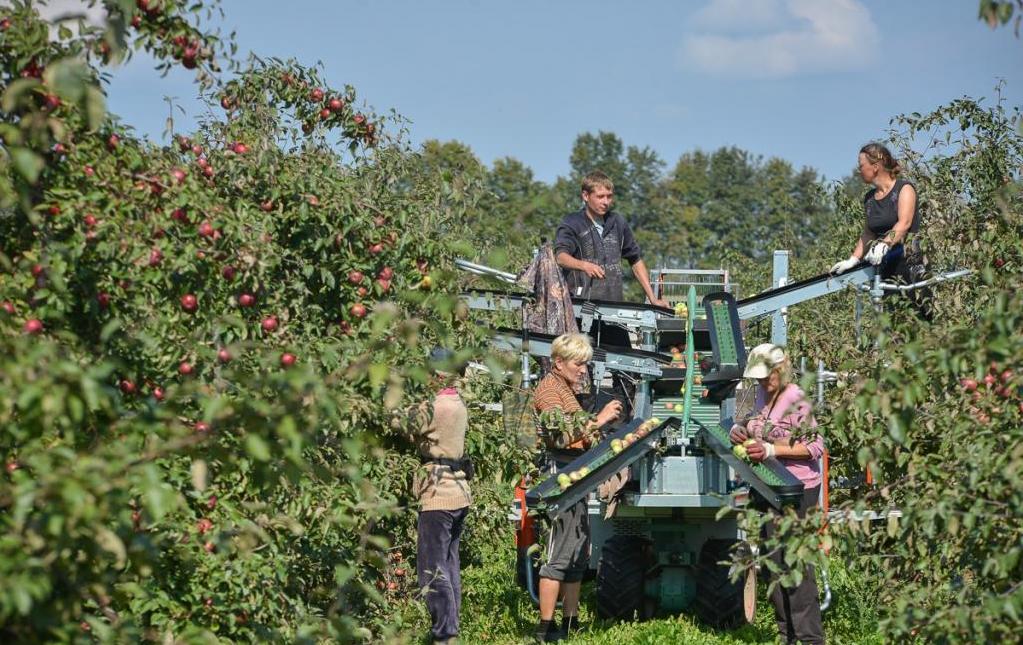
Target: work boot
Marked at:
546, 632
570, 625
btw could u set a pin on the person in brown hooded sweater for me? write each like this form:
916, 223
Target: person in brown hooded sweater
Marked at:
442, 490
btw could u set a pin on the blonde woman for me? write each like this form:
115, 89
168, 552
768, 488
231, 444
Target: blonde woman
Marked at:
782, 427
891, 215
567, 431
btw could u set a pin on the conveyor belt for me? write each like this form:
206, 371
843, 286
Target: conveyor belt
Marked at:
548, 498
769, 478
772, 300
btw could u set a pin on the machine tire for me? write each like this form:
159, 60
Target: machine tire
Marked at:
621, 576
719, 602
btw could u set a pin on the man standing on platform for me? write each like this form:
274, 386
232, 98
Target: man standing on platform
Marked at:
591, 243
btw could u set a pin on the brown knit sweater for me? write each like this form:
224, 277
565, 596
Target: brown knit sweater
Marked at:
441, 434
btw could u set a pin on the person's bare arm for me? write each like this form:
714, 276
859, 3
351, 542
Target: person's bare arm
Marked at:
907, 206
643, 276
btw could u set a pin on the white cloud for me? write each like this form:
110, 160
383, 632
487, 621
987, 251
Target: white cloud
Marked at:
737, 16
813, 36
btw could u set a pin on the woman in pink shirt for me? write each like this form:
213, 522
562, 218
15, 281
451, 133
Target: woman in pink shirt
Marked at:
783, 427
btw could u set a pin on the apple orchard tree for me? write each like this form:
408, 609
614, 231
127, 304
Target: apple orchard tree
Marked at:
201, 342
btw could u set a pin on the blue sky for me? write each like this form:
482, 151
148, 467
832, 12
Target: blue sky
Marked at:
809, 81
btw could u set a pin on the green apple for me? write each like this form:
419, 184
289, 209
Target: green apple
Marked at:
679, 407
749, 442
564, 481
739, 451
585, 470
617, 446
575, 476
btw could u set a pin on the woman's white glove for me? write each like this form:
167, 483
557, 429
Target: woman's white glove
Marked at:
877, 253
845, 265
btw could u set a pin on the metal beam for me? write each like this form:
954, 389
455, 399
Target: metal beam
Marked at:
633, 362
634, 316
773, 300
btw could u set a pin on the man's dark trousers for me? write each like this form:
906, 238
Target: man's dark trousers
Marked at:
439, 569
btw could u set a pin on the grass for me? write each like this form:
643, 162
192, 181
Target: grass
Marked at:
495, 610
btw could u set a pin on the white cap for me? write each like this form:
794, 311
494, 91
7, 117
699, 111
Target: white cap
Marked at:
762, 360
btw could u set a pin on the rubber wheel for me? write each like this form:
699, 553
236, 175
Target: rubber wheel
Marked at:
621, 575
720, 602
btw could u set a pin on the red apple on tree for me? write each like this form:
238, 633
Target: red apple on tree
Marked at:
386, 273
357, 310
266, 206
8, 307
103, 299
185, 368
240, 148
158, 393
287, 360
155, 257
228, 272
89, 220
206, 229
189, 302
179, 175
201, 426
316, 95
33, 326
246, 300
269, 323
336, 104
355, 277
376, 249
362, 292
127, 387
113, 141
224, 356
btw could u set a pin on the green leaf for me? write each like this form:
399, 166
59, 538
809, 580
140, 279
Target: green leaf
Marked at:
27, 163
95, 107
108, 541
68, 77
378, 374
257, 447
15, 91
199, 472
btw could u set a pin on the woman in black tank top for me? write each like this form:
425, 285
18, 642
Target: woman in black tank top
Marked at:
891, 214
